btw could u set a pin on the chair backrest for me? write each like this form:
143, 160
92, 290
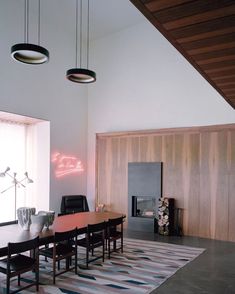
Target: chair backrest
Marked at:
20, 247
64, 236
73, 204
116, 221
95, 228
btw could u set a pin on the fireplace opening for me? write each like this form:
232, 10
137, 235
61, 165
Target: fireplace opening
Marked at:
143, 206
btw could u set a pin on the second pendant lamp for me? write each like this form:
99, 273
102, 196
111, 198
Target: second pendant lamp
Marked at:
79, 74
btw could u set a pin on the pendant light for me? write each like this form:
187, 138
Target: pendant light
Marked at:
81, 75
26, 52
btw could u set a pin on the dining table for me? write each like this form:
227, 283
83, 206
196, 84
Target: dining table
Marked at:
14, 233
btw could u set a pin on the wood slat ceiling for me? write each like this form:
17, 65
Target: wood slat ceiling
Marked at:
204, 32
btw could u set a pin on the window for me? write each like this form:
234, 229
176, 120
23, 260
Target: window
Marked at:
12, 154
24, 147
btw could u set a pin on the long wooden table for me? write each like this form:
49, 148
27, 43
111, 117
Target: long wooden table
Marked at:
13, 233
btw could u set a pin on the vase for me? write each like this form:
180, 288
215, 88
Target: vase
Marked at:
100, 208
50, 216
38, 222
24, 216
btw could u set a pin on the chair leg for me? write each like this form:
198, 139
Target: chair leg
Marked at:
68, 261
8, 285
103, 250
18, 280
76, 263
122, 244
37, 278
87, 256
54, 271
109, 248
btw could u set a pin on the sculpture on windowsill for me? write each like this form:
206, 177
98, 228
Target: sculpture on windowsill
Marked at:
24, 217
27, 219
37, 222
50, 216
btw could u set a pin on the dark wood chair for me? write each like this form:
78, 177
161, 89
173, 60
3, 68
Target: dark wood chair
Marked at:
17, 263
73, 204
94, 238
64, 247
114, 233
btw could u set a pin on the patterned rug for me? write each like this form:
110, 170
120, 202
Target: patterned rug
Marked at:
143, 267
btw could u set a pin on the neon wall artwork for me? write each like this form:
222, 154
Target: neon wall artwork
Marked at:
66, 165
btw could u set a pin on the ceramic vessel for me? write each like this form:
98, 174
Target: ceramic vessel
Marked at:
38, 222
50, 216
24, 216
100, 208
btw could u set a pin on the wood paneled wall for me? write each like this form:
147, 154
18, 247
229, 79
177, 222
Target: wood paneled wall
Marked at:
198, 171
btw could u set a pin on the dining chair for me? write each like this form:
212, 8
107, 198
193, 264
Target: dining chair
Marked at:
94, 238
73, 204
17, 263
114, 233
64, 248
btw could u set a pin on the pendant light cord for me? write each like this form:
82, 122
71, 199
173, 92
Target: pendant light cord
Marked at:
76, 32
88, 31
26, 21
39, 20
80, 33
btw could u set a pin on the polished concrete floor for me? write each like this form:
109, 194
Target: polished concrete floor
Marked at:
213, 272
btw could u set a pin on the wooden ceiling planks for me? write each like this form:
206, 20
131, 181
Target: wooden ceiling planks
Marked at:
204, 32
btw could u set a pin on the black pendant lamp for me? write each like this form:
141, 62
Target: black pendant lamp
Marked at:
81, 75
26, 52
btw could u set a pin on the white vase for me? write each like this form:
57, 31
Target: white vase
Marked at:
38, 222
24, 216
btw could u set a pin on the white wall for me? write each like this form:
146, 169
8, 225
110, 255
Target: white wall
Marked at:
42, 91
144, 83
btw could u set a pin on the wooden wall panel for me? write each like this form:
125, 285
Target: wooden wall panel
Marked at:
198, 171
231, 173
144, 151
157, 148
102, 179
194, 184
168, 168
178, 170
205, 186
221, 230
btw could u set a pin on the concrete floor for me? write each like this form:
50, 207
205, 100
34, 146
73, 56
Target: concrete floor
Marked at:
212, 272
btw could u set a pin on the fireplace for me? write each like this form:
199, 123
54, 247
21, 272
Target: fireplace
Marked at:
144, 190
143, 206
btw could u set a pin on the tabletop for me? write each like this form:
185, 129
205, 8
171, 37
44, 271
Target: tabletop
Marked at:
14, 233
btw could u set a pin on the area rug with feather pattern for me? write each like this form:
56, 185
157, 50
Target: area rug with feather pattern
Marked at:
141, 268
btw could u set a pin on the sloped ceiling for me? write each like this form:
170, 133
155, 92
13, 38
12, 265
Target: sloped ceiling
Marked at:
204, 32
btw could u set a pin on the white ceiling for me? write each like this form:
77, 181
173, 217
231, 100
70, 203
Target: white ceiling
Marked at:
110, 16
106, 16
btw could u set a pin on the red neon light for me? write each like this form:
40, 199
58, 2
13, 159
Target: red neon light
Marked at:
66, 165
